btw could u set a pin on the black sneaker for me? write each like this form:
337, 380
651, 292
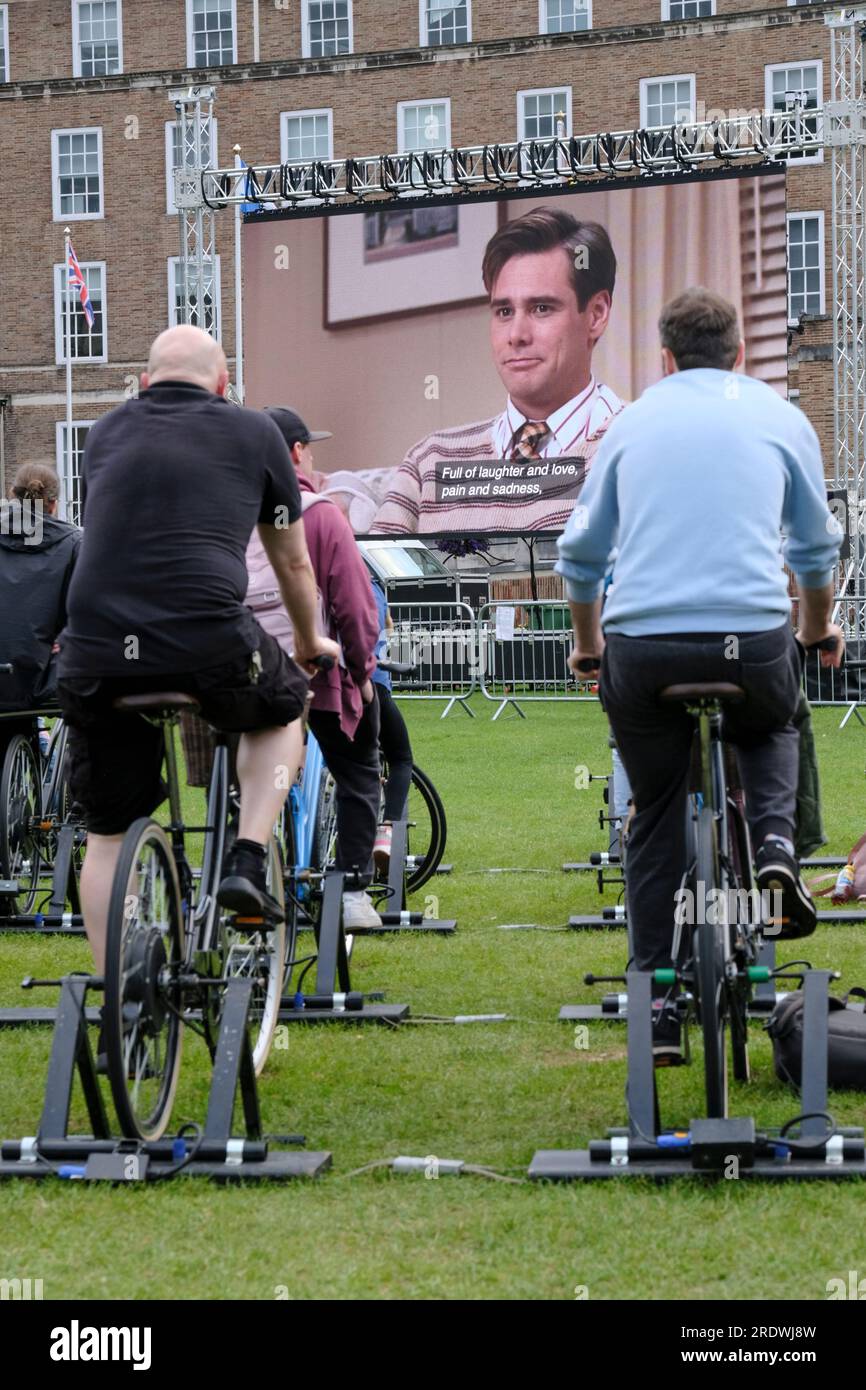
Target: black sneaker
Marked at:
777, 871
243, 889
667, 1035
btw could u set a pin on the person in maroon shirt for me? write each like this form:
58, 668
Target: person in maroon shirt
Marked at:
344, 715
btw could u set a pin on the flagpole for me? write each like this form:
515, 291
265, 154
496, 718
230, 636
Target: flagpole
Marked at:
67, 478
239, 316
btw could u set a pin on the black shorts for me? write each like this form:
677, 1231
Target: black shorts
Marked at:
115, 759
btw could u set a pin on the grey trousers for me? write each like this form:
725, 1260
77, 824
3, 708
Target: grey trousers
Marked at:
655, 739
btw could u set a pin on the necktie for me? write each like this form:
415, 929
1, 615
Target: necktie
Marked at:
526, 440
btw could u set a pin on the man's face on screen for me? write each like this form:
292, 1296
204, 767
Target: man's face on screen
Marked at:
542, 341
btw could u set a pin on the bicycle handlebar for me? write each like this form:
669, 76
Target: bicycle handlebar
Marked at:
323, 661
398, 668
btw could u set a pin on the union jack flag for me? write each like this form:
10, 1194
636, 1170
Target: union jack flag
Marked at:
78, 282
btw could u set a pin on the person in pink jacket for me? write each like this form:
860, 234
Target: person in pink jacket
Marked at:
344, 715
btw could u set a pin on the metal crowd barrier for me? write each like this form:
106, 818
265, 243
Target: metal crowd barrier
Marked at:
524, 648
441, 640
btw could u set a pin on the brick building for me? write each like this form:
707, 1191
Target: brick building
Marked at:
86, 140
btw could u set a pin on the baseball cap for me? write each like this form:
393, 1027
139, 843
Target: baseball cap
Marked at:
292, 427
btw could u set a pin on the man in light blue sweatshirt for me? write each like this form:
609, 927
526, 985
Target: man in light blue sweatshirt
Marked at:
693, 486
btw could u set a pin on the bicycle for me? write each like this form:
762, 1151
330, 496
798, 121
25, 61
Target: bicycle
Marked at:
35, 805
718, 962
171, 950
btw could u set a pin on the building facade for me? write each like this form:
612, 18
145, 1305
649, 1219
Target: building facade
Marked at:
88, 140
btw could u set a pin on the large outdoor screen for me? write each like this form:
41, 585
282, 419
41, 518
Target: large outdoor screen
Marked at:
467, 357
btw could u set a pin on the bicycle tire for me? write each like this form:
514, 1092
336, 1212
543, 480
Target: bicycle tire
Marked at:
738, 999
20, 813
291, 887
429, 862
262, 955
710, 971
139, 1027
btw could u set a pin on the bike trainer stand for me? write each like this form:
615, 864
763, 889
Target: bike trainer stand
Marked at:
64, 889
708, 1146
333, 999
53, 1152
402, 920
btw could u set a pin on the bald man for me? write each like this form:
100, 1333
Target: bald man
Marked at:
173, 483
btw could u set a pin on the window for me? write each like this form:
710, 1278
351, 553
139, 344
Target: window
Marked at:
667, 101
306, 135
564, 16
4, 43
805, 264
326, 28
172, 154
177, 302
97, 42
211, 32
70, 470
88, 344
539, 113
76, 174
423, 125
444, 22
688, 9
786, 82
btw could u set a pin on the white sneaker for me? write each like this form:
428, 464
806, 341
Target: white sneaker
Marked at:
358, 911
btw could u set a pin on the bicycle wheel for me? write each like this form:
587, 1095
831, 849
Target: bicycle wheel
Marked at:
145, 944
20, 814
427, 830
325, 834
710, 957
260, 956
744, 937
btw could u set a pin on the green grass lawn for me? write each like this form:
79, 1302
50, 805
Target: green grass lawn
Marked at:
489, 1093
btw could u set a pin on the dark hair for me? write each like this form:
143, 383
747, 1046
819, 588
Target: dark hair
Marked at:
700, 329
35, 482
543, 229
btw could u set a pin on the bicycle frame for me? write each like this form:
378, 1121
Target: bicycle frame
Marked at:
200, 910
303, 803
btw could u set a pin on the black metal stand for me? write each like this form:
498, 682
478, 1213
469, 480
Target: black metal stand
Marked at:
333, 999
53, 1152
731, 1147
57, 920
399, 919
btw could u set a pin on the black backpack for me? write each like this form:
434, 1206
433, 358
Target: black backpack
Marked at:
846, 1040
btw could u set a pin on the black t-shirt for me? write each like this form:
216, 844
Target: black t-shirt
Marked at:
173, 483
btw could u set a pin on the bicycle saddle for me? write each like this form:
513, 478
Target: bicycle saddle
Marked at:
155, 700
705, 690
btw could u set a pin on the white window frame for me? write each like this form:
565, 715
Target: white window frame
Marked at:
666, 13
822, 270
59, 216
403, 106
769, 69
4, 34
171, 277
647, 82
422, 25
60, 457
542, 20
76, 38
543, 92
170, 208
306, 46
190, 39
61, 273
310, 111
